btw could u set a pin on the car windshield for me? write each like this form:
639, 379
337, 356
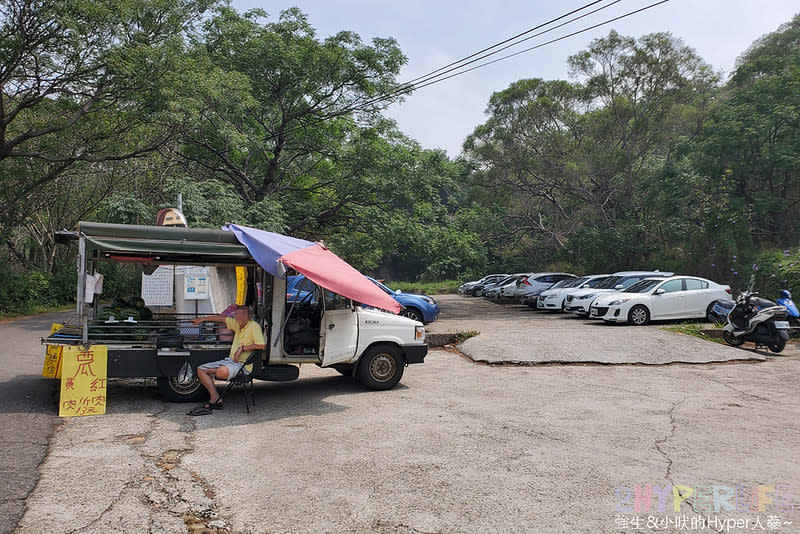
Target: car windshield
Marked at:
572, 282
506, 280
643, 286
597, 281
561, 283
609, 282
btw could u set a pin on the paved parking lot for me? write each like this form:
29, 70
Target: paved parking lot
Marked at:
511, 333
457, 447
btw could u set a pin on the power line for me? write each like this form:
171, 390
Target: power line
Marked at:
505, 41
543, 44
427, 78
437, 79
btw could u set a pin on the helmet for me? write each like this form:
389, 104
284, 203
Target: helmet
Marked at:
785, 293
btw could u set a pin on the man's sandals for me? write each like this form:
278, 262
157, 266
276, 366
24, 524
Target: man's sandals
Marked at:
206, 408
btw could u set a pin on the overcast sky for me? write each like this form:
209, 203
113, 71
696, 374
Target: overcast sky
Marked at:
432, 33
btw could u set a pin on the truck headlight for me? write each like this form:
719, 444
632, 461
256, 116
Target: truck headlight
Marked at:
419, 333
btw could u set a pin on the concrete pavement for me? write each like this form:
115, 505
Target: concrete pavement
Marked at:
515, 334
456, 447
27, 411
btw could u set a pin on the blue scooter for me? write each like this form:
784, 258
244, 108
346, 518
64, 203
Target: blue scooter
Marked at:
785, 300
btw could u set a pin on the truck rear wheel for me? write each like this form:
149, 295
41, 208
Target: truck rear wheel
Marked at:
380, 367
172, 391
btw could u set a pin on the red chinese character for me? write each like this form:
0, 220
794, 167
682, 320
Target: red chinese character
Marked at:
85, 361
70, 384
97, 383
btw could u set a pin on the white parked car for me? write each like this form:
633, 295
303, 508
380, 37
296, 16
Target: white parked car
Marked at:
580, 302
538, 282
513, 290
676, 297
492, 291
555, 298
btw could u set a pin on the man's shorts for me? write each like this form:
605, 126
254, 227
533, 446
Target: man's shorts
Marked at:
233, 367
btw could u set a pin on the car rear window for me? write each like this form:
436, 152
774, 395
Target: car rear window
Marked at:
694, 283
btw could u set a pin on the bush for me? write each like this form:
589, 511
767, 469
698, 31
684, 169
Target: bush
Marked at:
777, 270
426, 288
26, 292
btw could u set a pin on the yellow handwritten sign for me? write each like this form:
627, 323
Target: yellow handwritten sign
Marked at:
83, 381
52, 358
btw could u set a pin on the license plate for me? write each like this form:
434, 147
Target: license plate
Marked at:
782, 324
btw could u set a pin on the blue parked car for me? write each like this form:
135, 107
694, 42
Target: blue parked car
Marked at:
421, 308
306, 287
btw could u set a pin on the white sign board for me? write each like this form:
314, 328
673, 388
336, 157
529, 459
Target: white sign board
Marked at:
195, 283
157, 288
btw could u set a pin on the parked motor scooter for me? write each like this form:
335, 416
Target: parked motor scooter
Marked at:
785, 300
758, 320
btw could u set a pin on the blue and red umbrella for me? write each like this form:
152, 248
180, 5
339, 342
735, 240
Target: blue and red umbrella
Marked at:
275, 252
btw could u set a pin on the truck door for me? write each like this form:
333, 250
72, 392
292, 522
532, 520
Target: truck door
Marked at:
339, 333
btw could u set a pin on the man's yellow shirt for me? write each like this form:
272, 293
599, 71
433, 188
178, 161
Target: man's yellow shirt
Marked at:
250, 334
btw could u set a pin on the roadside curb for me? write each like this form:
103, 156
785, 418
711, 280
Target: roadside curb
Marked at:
440, 340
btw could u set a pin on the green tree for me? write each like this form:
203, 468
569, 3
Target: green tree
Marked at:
82, 81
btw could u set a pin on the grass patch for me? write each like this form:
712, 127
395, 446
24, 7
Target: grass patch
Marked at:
693, 329
426, 288
36, 310
464, 335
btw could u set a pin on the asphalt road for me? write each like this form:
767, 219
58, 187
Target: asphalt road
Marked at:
457, 447
27, 412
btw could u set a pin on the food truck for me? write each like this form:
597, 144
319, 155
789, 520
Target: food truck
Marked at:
339, 320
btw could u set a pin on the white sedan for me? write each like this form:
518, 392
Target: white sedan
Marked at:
676, 297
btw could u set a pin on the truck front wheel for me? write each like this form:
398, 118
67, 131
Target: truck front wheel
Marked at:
173, 391
380, 367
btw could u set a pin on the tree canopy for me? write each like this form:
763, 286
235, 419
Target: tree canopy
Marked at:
644, 158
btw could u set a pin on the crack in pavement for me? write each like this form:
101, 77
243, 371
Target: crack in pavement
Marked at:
658, 446
166, 495
737, 390
659, 442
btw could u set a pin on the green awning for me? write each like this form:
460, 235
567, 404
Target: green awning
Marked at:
162, 244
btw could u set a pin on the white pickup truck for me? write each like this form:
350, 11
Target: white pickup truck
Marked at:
317, 326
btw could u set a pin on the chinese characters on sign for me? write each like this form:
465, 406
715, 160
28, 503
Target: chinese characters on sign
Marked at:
83, 381
52, 359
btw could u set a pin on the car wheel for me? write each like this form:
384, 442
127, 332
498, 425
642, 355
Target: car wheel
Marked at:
412, 313
777, 345
380, 367
173, 391
639, 315
563, 306
731, 340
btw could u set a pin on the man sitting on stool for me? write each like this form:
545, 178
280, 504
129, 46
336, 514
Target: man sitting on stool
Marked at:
248, 337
